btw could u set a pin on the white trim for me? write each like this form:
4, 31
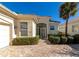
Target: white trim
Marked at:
6, 16
5, 21
1, 5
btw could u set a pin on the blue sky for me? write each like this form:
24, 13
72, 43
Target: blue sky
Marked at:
38, 8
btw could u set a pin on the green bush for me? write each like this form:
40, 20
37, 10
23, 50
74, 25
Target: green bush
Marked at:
52, 35
70, 39
25, 41
50, 38
54, 40
63, 40
76, 38
60, 34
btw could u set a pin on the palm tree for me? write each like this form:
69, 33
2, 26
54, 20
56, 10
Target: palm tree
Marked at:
67, 10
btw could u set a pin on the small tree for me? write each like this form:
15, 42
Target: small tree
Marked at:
66, 10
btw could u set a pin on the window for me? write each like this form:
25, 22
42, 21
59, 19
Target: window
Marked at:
75, 28
23, 27
52, 27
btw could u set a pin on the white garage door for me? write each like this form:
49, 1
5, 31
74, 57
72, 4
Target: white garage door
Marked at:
4, 36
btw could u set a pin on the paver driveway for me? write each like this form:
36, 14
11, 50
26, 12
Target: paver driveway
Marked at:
40, 50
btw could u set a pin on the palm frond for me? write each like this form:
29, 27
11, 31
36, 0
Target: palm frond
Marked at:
68, 9
73, 12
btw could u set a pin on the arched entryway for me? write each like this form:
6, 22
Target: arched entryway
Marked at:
42, 30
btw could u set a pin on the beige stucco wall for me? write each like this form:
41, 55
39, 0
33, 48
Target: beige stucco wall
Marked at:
31, 27
32, 21
70, 28
61, 28
44, 20
56, 27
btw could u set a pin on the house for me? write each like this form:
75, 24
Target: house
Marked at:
32, 25
73, 27
17, 25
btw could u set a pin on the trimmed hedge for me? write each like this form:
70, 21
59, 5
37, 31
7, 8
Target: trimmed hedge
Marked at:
61, 39
25, 41
52, 35
70, 40
54, 39
76, 38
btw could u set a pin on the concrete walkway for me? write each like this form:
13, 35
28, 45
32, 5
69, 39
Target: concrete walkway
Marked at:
41, 50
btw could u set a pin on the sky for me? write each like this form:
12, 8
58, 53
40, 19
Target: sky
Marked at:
38, 8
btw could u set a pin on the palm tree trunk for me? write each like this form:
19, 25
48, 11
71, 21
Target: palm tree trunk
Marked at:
66, 27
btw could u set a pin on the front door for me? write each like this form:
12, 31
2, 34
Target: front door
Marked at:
43, 32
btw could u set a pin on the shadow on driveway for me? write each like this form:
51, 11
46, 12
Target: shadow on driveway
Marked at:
74, 47
75, 50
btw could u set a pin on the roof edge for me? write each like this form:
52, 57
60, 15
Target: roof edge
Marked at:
1, 5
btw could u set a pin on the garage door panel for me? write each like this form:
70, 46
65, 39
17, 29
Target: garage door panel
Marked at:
2, 45
4, 36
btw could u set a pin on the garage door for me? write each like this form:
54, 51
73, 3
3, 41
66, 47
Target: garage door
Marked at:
4, 35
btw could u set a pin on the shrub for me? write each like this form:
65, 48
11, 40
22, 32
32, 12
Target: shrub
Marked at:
70, 39
34, 40
54, 40
51, 35
76, 38
60, 34
50, 38
25, 41
63, 40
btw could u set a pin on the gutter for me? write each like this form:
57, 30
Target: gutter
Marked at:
6, 11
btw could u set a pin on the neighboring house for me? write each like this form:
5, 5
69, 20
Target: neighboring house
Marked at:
73, 27
17, 25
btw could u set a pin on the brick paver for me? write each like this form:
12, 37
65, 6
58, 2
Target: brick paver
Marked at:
41, 50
